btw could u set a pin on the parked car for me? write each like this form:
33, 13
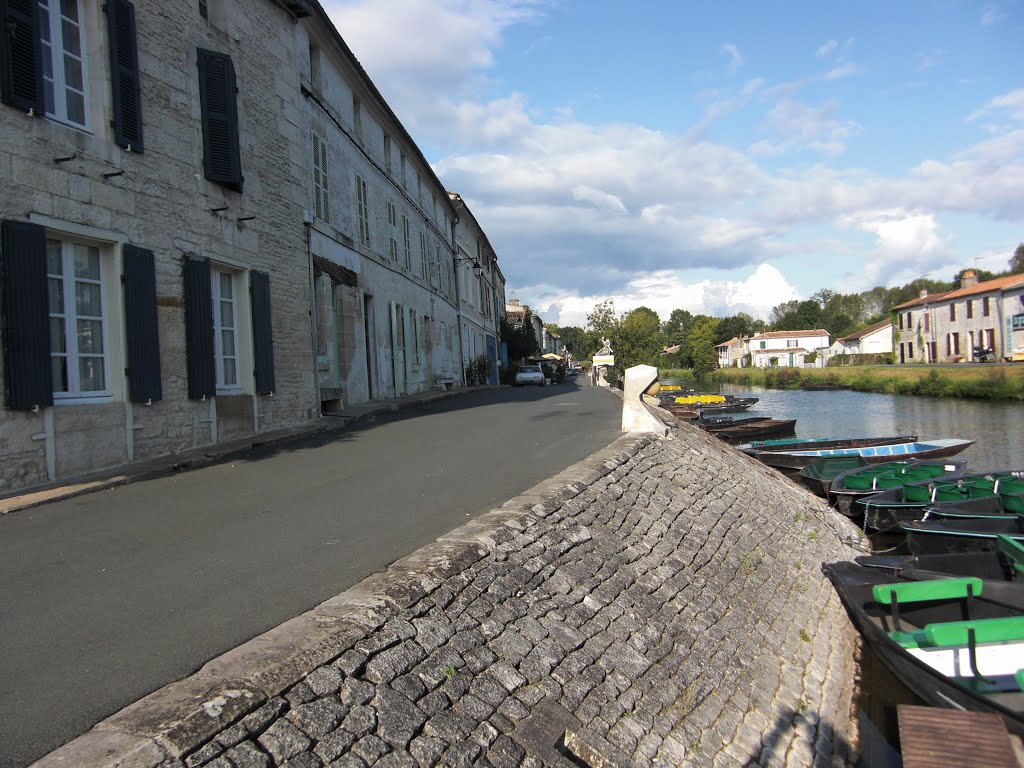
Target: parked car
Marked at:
529, 374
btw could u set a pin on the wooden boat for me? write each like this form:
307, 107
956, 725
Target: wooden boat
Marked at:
875, 454
866, 482
884, 510
954, 642
713, 423
937, 537
813, 443
985, 506
1004, 563
764, 428
819, 474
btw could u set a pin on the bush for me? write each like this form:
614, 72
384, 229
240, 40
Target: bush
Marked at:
559, 374
471, 373
508, 375
483, 369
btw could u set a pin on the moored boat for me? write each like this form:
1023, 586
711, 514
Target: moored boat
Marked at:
929, 537
866, 482
762, 428
954, 642
909, 501
1004, 563
815, 443
713, 423
926, 449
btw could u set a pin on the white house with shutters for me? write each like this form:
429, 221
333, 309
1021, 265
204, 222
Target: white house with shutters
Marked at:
788, 349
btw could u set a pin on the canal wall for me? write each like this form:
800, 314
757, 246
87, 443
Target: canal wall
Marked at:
659, 603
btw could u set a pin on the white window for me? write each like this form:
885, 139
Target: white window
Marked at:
78, 356
423, 256
363, 212
406, 242
392, 231
321, 196
225, 329
63, 60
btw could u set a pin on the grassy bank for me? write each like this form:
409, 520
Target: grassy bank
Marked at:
984, 382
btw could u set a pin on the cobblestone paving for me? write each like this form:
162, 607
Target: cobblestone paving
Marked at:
660, 604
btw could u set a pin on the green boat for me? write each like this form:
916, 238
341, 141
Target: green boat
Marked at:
867, 481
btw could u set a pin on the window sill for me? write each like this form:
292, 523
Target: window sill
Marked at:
64, 399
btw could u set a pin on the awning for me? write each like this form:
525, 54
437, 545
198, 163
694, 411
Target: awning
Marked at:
552, 356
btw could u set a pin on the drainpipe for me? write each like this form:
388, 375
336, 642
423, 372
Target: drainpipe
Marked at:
458, 297
307, 221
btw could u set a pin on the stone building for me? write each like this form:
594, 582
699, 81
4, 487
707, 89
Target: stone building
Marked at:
481, 289
213, 225
946, 327
381, 228
155, 277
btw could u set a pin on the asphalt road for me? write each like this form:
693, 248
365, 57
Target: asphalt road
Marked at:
109, 596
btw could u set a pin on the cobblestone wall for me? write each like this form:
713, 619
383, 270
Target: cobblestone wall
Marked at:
658, 604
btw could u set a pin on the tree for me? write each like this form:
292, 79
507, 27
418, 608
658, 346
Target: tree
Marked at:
981, 274
581, 344
638, 339
740, 325
1017, 260
522, 341
701, 342
602, 320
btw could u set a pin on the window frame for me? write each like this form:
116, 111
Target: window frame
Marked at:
363, 211
392, 212
406, 242
321, 179
51, 28
218, 271
69, 319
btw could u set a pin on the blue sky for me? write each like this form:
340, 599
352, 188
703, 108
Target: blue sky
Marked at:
715, 157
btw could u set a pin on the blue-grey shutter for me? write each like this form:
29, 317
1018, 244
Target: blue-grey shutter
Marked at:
262, 333
21, 72
141, 332
217, 96
124, 75
199, 329
27, 376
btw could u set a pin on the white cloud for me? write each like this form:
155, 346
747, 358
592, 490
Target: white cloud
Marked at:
991, 14
735, 57
826, 49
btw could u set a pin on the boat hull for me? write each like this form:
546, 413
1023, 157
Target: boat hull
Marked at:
933, 537
853, 583
878, 454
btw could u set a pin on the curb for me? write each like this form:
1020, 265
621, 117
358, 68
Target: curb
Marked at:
179, 718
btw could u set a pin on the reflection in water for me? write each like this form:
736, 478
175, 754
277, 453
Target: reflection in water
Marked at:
996, 427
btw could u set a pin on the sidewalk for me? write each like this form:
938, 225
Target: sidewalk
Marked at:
23, 498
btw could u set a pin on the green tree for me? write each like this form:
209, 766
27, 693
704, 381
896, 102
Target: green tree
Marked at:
581, 344
1017, 260
521, 340
701, 342
738, 326
981, 274
602, 320
638, 339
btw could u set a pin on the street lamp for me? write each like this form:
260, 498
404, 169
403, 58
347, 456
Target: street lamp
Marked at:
477, 269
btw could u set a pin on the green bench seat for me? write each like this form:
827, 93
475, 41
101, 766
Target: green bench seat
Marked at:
921, 591
954, 633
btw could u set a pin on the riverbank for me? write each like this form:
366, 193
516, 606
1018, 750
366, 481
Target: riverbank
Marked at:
982, 382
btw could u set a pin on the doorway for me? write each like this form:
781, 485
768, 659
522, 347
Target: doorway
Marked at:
369, 334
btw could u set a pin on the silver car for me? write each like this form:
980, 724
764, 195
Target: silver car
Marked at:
529, 374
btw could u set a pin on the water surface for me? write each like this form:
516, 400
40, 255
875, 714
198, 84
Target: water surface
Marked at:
996, 427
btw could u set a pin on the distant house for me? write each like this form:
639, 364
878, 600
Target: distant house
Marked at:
875, 339
730, 353
787, 349
945, 327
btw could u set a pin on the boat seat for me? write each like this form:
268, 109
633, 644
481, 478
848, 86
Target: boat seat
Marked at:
1020, 678
1013, 549
1002, 630
921, 591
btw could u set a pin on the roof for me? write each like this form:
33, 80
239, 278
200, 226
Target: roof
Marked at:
788, 334
778, 350
729, 343
867, 331
988, 286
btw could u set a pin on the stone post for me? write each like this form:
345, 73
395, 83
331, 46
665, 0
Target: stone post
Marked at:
636, 415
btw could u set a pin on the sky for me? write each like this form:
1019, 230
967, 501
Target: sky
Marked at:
717, 157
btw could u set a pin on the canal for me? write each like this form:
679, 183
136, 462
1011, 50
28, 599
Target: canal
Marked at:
996, 427
998, 431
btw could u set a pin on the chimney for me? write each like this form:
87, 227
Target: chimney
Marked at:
968, 278
924, 293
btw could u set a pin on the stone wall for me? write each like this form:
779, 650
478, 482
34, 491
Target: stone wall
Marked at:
660, 603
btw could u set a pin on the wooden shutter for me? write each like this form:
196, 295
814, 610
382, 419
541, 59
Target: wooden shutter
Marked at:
217, 91
199, 329
262, 333
21, 72
27, 374
141, 331
124, 75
